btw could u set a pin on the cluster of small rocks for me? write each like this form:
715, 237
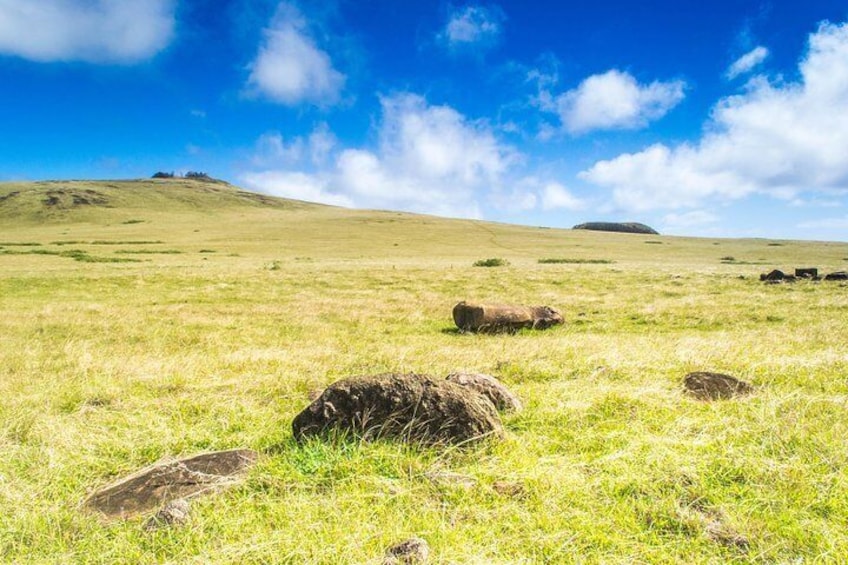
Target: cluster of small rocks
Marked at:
806, 273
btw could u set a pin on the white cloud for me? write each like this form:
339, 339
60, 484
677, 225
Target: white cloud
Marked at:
613, 100
296, 185
290, 68
747, 62
695, 218
826, 223
428, 159
782, 140
555, 195
473, 25
94, 31
273, 150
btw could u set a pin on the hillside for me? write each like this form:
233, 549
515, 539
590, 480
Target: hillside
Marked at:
200, 214
98, 200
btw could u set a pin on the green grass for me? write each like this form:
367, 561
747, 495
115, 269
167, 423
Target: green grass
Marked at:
106, 368
493, 262
554, 261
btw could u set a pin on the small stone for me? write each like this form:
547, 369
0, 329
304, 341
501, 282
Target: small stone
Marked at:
174, 513
705, 385
410, 552
510, 489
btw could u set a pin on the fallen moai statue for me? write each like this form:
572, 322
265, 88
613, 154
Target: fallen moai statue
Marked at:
500, 318
410, 407
159, 484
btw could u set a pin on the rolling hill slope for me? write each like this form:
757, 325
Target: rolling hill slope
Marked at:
195, 215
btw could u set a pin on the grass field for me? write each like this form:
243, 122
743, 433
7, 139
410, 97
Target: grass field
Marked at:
163, 319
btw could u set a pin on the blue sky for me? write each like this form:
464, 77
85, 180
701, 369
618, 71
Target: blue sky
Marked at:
720, 119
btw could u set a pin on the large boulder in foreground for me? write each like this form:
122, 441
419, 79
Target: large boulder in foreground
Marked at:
409, 407
619, 227
162, 483
500, 318
705, 385
490, 387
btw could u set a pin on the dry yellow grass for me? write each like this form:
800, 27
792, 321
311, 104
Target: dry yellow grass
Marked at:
107, 367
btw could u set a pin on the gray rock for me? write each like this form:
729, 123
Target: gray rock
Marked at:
159, 484
174, 513
410, 552
410, 407
490, 387
704, 385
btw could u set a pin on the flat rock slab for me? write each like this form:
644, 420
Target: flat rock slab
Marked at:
410, 407
154, 486
490, 387
704, 385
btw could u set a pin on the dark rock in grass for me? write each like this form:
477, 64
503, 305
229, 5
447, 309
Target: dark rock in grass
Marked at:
620, 227
775, 275
503, 318
807, 273
510, 489
413, 551
174, 513
837, 276
490, 387
410, 407
714, 386
159, 484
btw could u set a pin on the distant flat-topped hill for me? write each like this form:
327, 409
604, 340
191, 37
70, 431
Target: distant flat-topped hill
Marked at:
621, 227
77, 200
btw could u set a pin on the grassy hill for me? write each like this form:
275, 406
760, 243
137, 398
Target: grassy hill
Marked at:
141, 320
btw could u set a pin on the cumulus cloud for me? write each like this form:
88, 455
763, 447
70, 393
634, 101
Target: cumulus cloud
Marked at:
296, 185
556, 196
478, 26
613, 100
779, 139
290, 68
429, 158
272, 149
94, 31
747, 62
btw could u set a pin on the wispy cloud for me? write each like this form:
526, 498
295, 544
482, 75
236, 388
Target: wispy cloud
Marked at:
473, 26
290, 68
747, 62
687, 220
613, 100
781, 140
93, 31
